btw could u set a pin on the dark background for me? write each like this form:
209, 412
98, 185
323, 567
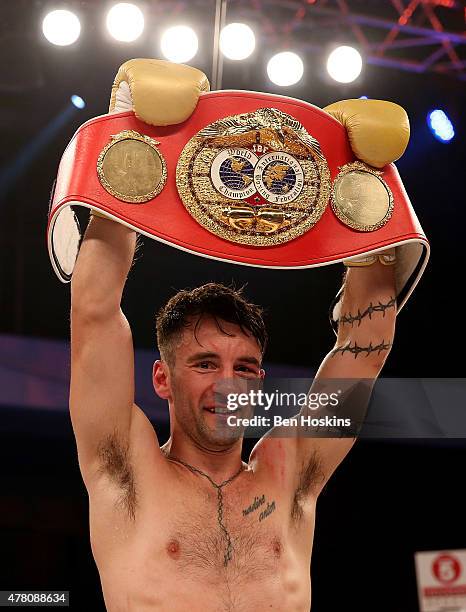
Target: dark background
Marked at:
388, 499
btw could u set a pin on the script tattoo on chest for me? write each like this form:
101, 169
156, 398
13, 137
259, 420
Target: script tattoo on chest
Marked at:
265, 513
257, 503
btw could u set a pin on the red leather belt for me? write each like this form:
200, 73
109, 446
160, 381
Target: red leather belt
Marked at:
250, 178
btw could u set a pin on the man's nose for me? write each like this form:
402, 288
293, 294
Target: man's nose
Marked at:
228, 382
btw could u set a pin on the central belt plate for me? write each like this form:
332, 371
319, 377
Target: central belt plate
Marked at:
257, 178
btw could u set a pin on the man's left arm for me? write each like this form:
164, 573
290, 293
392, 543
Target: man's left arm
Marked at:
366, 329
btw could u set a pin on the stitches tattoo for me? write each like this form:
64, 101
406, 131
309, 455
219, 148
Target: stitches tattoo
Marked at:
357, 350
380, 307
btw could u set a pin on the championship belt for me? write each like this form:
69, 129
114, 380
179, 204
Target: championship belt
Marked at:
250, 178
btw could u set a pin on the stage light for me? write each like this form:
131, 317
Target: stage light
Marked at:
440, 125
125, 22
344, 64
363, 98
77, 101
237, 41
285, 68
61, 27
179, 44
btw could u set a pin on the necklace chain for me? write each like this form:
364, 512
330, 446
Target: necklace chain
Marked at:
229, 548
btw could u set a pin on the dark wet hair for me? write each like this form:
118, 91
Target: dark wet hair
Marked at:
218, 301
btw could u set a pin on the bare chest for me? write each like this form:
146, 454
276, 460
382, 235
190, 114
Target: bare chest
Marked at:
239, 533
225, 549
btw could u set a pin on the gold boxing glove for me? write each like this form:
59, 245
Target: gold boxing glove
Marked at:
95, 213
386, 257
378, 130
159, 92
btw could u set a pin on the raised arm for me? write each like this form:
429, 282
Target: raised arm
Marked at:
102, 359
366, 329
378, 132
104, 417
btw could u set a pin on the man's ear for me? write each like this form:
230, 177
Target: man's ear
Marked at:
262, 373
161, 379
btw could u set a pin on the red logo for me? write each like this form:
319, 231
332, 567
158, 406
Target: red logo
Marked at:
446, 568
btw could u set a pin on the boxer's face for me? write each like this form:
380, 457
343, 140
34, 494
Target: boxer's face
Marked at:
207, 367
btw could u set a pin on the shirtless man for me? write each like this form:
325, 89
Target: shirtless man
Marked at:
189, 525
178, 528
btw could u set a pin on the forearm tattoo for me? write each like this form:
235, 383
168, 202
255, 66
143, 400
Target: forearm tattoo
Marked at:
349, 318
357, 350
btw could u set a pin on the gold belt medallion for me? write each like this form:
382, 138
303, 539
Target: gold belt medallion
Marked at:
131, 168
361, 199
257, 178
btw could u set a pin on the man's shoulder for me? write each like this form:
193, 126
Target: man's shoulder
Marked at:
273, 452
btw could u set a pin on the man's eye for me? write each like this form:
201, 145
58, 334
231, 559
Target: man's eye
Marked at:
204, 365
245, 369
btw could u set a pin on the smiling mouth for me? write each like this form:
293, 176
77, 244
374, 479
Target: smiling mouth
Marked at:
220, 410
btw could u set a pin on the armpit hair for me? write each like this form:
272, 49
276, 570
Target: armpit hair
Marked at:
115, 463
310, 475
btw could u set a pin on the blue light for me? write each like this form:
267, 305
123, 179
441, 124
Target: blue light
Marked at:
440, 125
78, 101
363, 98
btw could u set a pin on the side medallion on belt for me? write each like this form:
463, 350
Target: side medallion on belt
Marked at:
131, 168
361, 199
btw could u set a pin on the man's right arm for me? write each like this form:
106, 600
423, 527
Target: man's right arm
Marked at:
104, 416
102, 355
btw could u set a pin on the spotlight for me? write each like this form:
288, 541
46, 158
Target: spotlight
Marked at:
125, 22
285, 68
61, 27
179, 44
344, 64
77, 101
237, 41
440, 125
